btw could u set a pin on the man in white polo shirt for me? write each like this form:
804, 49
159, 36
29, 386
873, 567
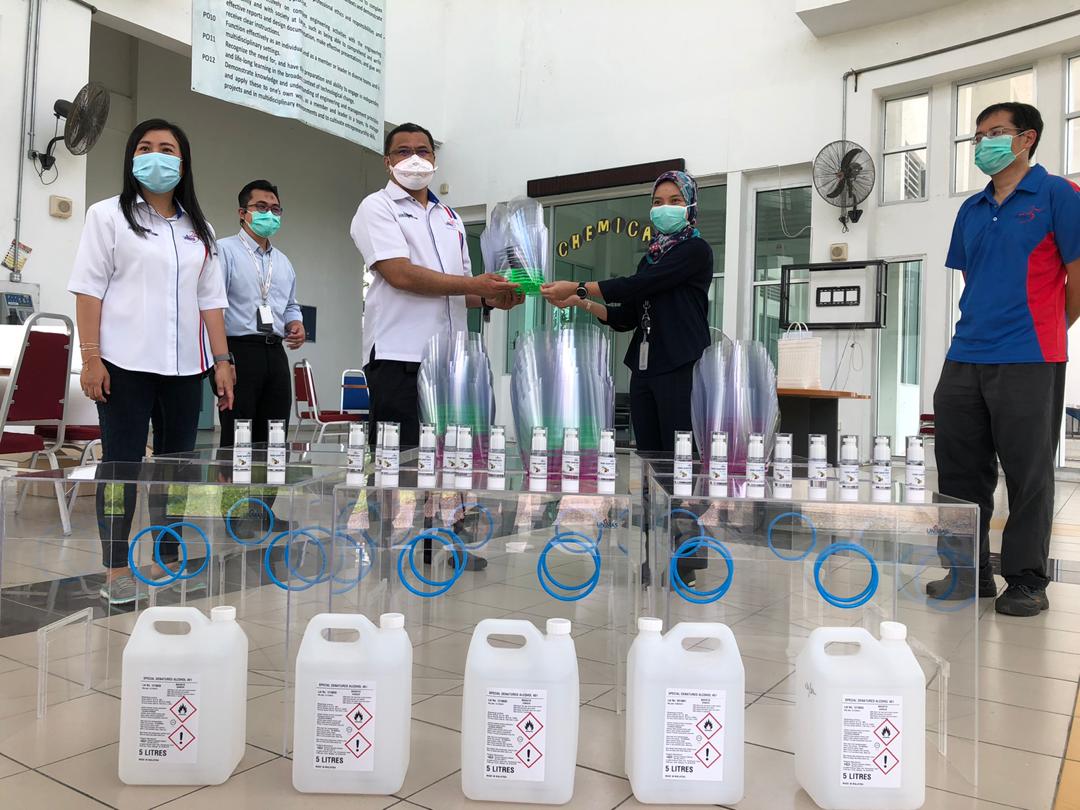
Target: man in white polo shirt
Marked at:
415, 246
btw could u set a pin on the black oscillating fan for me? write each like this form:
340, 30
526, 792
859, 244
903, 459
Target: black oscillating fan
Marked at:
844, 177
85, 118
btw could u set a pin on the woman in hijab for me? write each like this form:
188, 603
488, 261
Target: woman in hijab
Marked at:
666, 304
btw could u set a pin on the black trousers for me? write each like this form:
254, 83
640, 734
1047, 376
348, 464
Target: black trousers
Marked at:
659, 406
263, 387
983, 413
393, 398
136, 400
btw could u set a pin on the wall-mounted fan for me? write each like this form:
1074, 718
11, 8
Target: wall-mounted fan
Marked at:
844, 177
85, 118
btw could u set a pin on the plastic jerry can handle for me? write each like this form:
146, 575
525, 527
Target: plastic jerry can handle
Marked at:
824, 636
507, 627
709, 630
338, 621
192, 617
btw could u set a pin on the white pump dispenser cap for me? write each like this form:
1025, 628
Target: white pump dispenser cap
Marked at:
849, 449
893, 631
607, 442
427, 437
818, 450
757, 446
277, 434
391, 621
570, 440
783, 447
719, 444
684, 445
498, 437
647, 624
916, 452
558, 627
539, 440
882, 451
242, 432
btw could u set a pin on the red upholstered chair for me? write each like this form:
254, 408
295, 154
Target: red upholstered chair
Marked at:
36, 396
307, 405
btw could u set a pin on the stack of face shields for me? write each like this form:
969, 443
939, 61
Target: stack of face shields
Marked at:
515, 244
454, 385
562, 378
735, 392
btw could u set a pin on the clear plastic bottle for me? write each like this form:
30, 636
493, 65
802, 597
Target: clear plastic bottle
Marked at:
391, 454
538, 460
881, 475
275, 452
571, 461
817, 468
915, 491
425, 457
242, 451
464, 457
849, 468
782, 467
496, 462
379, 432
606, 464
450, 458
755, 466
684, 463
355, 475
718, 464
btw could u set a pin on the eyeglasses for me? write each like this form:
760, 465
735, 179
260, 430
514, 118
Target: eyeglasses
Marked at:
262, 208
406, 152
996, 132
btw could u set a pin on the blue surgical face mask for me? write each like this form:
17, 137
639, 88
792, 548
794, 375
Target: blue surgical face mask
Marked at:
669, 218
157, 172
993, 155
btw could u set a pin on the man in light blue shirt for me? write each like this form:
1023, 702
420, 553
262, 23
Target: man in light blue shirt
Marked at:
262, 314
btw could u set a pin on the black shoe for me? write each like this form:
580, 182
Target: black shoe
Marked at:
1020, 600
280, 524
474, 563
962, 587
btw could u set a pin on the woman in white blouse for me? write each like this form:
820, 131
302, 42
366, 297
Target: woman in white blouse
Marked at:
150, 301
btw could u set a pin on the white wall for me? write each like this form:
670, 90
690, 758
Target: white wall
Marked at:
64, 60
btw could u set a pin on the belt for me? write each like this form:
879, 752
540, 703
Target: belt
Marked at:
272, 340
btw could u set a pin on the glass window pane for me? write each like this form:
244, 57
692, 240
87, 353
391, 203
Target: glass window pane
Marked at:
904, 177
1072, 154
781, 231
967, 177
972, 99
767, 312
1074, 84
906, 122
910, 334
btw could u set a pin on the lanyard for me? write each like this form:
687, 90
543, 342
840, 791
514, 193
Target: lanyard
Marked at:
264, 280
646, 321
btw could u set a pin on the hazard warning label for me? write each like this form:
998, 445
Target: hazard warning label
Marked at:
344, 726
870, 744
694, 734
168, 719
516, 731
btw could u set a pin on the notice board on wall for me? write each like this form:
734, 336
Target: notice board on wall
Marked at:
318, 61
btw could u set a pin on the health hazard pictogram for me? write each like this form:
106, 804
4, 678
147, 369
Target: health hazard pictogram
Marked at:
358, 745
887, 733
529, 755
708, 755
181, 738
886, 761
708, 726
529, 726
183, 709
359, 716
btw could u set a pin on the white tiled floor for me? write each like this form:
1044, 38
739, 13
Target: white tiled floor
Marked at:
1027, 679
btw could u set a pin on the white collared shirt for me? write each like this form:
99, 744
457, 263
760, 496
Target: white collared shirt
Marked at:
153, 288
391, 224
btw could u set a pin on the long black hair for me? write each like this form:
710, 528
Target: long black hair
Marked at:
184, 193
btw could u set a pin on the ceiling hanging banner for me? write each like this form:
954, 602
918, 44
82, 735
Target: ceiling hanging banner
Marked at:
318, 61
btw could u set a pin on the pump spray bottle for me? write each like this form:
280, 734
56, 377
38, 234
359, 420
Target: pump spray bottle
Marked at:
606, 469
242, 452
817, 468
275, 452
496, 462
684, 463
915, 491
881, 475
538, 460
357, 455
718, 465
755, 467
849, 468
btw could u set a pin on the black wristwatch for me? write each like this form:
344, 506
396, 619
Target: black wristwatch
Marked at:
582, 291
221, 358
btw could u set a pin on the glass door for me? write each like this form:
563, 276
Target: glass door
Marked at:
900, 355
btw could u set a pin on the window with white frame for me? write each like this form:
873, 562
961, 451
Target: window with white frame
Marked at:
1072, 118
905, 137
971, 99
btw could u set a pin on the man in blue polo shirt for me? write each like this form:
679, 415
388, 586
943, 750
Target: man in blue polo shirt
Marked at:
1001, 391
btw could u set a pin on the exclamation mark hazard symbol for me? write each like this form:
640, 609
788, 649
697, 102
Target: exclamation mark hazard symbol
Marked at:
181, 736
357, 741
528, 755
707, 752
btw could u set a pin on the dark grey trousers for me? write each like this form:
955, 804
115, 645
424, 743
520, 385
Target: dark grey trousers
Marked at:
1011, 413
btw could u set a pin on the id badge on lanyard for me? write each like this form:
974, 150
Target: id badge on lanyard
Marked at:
264, 316
646, 329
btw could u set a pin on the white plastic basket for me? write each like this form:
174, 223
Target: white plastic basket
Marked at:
799, 358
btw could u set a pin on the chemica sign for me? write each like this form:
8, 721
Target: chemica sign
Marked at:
631, 228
